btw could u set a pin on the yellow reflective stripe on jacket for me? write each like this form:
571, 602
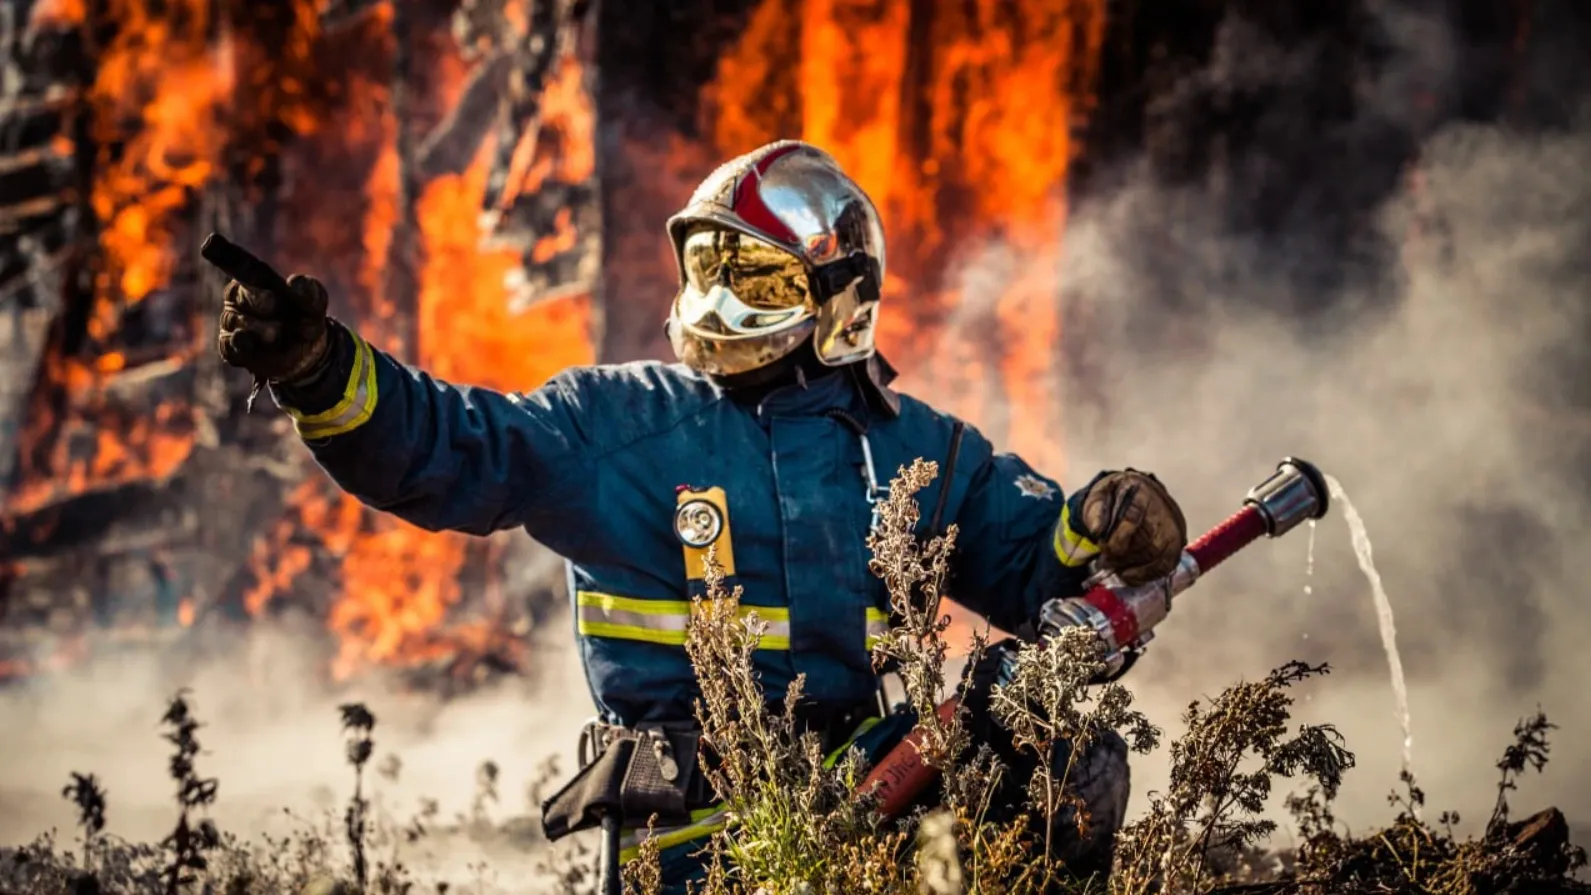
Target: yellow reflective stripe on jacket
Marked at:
704, 822
1072, 548
663, 621
877, 625
357, 404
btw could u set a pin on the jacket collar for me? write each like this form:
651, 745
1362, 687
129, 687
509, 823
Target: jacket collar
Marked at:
862, 387
812, 397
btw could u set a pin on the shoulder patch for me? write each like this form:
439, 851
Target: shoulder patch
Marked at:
1034, 487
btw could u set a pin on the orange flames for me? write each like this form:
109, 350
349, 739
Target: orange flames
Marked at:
159, 109
182, 98
397, 582
153, 108
959, 124
958, 119
157, 92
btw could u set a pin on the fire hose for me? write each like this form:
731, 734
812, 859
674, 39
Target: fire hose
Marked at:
1124, 617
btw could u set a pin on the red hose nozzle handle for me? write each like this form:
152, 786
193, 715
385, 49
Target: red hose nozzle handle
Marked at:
1295, 492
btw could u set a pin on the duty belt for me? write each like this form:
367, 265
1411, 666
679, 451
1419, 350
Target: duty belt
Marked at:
654, 770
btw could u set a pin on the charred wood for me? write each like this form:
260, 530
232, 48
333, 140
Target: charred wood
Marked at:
27, 116
99, 521
34, 161
519, 124
451, 147
40, 201
19, 217
343, 13
401, 283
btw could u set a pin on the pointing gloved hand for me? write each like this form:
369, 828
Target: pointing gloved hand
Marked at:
280, 338
1139, 528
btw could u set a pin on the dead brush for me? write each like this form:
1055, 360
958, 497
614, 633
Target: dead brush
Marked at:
1411, 855
796, 821
1050, 704
88, 797
358, 723
189, 841
1046, 701
479, 823
914, 574
958, 849
1222, 772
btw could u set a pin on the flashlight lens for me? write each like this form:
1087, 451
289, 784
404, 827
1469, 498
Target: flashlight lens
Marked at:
698, 523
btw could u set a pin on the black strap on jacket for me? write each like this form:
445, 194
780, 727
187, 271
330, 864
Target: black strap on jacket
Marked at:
946, 479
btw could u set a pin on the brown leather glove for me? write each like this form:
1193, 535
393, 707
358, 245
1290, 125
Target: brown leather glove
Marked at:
280, 338
1139, 528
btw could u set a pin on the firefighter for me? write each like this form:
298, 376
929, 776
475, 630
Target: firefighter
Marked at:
771, 440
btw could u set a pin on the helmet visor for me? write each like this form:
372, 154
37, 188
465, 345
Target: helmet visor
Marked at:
738, 285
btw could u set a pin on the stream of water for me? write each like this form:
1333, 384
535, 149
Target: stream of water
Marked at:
1309, 562
1389, 628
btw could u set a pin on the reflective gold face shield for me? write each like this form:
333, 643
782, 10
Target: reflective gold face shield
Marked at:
744, 302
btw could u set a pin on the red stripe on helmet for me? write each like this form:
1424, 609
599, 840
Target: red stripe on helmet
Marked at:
749, 206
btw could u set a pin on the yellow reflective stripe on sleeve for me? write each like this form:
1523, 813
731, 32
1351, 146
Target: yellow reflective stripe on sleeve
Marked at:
877, 625
1071, 548
357, 405
663, 621
704, 822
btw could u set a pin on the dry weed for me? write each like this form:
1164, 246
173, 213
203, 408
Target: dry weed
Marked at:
1411, 855
798, 826
1222, 771
795, 819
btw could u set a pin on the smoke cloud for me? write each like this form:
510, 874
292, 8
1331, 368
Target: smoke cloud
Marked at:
1436, 367
272, 738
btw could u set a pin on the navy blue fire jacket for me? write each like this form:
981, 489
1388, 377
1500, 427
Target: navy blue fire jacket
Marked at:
590, 465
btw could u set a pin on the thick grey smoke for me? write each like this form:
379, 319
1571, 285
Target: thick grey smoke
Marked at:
1440, 385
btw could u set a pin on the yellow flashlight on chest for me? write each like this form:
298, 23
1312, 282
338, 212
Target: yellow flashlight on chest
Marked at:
701, 522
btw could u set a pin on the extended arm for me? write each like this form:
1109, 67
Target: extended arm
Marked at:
437, 455
444, 456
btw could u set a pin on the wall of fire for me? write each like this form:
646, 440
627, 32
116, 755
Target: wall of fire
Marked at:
458, 173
